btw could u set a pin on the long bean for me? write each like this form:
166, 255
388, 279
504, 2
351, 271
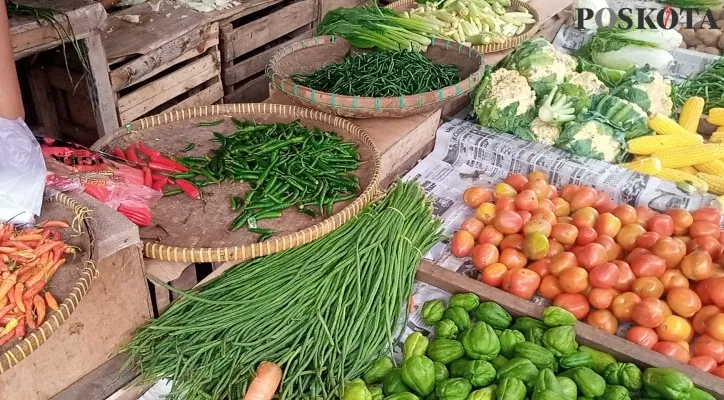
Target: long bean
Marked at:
708, 84
323, 311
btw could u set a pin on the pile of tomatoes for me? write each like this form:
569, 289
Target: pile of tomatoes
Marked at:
661, 274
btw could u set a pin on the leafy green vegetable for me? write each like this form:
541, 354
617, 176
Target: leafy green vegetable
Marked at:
627, 117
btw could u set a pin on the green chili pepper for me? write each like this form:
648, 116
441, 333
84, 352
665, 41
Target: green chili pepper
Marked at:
173, 192
210, 123
189, 147
262, 231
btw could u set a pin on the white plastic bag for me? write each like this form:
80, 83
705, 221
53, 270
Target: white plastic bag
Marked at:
22, 173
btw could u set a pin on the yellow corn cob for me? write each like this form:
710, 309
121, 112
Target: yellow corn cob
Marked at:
663, 125
677, 176
648, 165
689, 155
714, 167
718, 136
716, 116
691, 113
650, 144
689, 170
716, 183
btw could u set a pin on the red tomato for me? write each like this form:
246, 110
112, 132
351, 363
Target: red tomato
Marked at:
576, 303
702, 316
708, 214
648, 287
561, 208
584, 197
623, 306
586, 236
508, 222
513, 258
512, 242
639, 251
648, 265
564, 220
490, 235
662, 224
702, 290
505, 203
626, 277
493, 274
562, 262
568, 191
545, 215
697, 266
485, 254
682, 220
613, 249
585, 217
474, 196
541, 267
643, 215
642, 336
625, 213
525, 216
672, 250
546, 204
673, 350
704, 228
715, 288
486, 212
603, 320
708, 244
462, 244
604, 275
539, 186
538, 225
555, 248
538, 176
683, 301
552, 192
591, 255
521, 282
715, 326
628, 234
673, 278
704, 363
573, 280
549, 287
649, 313
603, 203
517, 181
607, 224
602, 298
647, 240
718, 371
473, 226
705, 345
527, 200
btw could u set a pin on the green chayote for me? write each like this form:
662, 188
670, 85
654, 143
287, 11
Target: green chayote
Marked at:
393, 383
525, 324
376, 392
510, 389
457, 367
468, 301
499, 361
441, 372
666, 383
356, 390
627, 375
588, 382
446, 329
600, 359
415, 345
479, 373
378, 370
520, 368
546, 386
459, 316
577, 359
402, 396
445, 351
418, 372
615, 392
480, 342
453, 389
538, 355
561, 340
432, 311
494, 315
535, 335
487, 393
698, 394
556, 316
508, 339
568, 388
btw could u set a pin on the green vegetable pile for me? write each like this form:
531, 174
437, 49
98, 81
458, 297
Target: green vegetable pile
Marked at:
287, 165
481, 353
709, 85
381, 74
322, 311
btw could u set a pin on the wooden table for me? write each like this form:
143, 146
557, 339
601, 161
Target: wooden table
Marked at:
83, 18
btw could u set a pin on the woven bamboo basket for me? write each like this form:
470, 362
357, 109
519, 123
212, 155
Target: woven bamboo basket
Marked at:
532, 29
69, 284
187, 230
311, 54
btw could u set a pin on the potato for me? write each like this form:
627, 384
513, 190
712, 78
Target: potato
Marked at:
711, 50
721, 42
721, 14
709, 37
690, 38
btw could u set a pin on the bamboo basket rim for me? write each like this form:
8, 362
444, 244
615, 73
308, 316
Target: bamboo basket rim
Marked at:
37, 337
404, 5
352, 103
157, 250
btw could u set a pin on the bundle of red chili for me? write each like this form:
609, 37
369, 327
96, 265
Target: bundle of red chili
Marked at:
28, 259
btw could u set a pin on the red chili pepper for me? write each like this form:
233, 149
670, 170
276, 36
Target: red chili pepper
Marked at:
163, 167
147, 177
119, 153
7, 337
167, 161
90, 168
131, 153
189, 188
159, 183
148, 152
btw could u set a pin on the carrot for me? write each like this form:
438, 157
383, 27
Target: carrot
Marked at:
20, 329
28, 303
33, 290
55, 267
51, 223
46, 247
19, 289
7, 337
9, 326
39, 304
3, 302
6, 309
8, 250
52, 303
266, 382
8, 284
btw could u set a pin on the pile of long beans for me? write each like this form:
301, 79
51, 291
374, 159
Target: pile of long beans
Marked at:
322, 311
381, 74
287, 165
708, 84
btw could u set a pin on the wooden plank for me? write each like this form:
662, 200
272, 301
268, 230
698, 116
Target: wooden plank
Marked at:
99, 383
245, 8
620, 348
43, 101
205, 97
58, 78
253, 91
102, 96
326, 5
164, 89
257, 63
183, 48
273, 26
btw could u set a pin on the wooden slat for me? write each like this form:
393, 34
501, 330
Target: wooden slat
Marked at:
253, 91
209, 95
100, 383
183, 48
327, 5
262, 31
103, 99
43, 101
164, 89
620, 348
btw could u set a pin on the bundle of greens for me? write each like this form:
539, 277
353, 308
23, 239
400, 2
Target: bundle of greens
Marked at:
381, 74
323, 311
646, 88
698, 4
708, 84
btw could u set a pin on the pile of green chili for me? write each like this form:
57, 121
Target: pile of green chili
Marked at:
322, 311
286, 164
381, 74
708, 84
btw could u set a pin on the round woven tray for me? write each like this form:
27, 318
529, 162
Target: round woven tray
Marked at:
69, 284
532, 29
187, 230
309, 55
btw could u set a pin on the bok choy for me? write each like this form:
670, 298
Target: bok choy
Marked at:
622, 49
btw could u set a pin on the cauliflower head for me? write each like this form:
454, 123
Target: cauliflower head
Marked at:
592, 136
648, 89
570, 62
504, 100
588, 81
544, 132
540, 63
626, 116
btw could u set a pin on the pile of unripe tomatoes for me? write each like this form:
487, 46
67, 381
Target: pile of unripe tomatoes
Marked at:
608, 264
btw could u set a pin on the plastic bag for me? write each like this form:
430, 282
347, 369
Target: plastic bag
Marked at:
22, 173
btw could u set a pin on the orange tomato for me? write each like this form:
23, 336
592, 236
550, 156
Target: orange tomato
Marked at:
586, 236
517, 181
682, 220
718, 371
502, 189
625, 213
628, 234
591, 255
705, 345
474, 226
521, 282
673, 278
562, 262
715, 326
704, 363
585, 217
613, 249
702, 317
704, 228
544, 215
624, 304
493, 274
683, 301
715, 289
485, 254
527, 200
536, 246
662, 224
561, 208
512, 241
552, 192
648, 287
647, 265
462, 244
639, 251
513, 258
601, 298
708, 244
525, 216
674, 329
547, 205
568, 191
474, 196
490, 235
673, 350
608, 224
538, 225
539, 186
603, 320
697, 266
538, 176
642, 336
485, 212
505, 203
576, 303
583, 197
604, 275
626, 277
541, 267
702, 290
555, 248
647, 240
603, 203
649, 313
508, 222
643, 215
672, 250
549, 287
708, 214
573, 280
564, 220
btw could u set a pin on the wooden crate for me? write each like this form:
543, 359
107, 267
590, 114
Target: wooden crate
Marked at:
249, 39
327, 5
182, 276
